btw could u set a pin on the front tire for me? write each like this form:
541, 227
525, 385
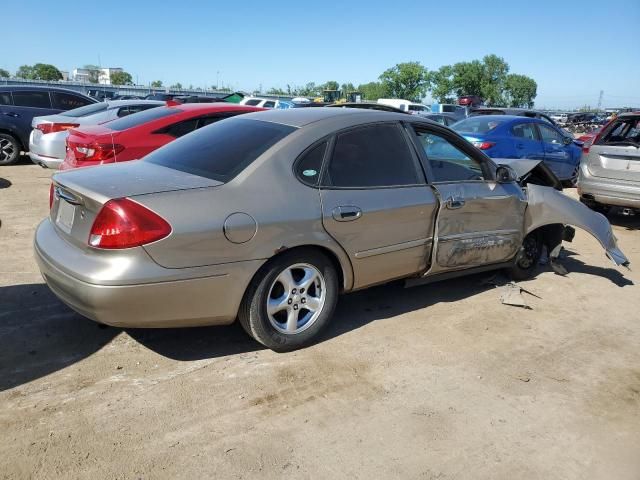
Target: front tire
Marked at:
9, 149
290, 300
528, 257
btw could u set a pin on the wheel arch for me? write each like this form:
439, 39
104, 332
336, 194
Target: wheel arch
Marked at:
14, 134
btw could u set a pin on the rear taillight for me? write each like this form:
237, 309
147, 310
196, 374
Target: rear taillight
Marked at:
123, 223
56, 127
95, 152
483, 145
51, 190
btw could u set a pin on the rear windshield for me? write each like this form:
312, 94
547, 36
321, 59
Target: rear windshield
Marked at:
623, 131
416, 108
139, 118
478, 124
221, 150
86, 110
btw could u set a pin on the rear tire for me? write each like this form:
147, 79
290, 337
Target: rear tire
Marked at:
290, 300
9, 149
527, 258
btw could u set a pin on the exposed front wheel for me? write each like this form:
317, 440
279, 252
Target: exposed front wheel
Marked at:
291, 300
527, 258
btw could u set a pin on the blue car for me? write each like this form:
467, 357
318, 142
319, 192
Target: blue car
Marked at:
508, 136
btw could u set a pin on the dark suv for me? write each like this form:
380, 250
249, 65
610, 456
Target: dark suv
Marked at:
18, 106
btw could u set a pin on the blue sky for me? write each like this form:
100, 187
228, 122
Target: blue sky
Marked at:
573, 49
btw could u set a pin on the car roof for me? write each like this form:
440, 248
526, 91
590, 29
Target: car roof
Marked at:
211, 107
122, 103
629, 114
8, 88
508, 118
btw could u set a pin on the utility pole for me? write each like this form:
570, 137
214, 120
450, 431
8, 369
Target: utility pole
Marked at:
600, 100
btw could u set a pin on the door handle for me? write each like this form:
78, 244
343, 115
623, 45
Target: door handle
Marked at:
454, 203
346, 213
12, 114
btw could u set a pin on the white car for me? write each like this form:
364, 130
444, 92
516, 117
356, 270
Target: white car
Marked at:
404, 105
48, 139
560, 117
260, 102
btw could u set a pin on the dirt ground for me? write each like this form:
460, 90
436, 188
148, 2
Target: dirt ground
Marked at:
435, 382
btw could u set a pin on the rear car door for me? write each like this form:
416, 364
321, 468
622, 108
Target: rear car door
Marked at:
480, 221
616, 153
527, 141
557, 155
376, 204
26, 105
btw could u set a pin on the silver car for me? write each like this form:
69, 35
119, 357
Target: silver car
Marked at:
610, 167
267, 217
47, 142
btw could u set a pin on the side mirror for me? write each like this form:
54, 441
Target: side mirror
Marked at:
567, 140
505, 174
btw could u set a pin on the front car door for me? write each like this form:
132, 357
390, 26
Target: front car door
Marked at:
480, 222
376, 203
557, 155
26, 105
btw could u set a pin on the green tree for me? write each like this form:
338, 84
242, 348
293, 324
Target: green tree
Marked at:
467, 78
4, 73
408, 80
276, 91
347, 87
330, 85
121, 78
45, 71
93, 73
156, 83
177, 86
495, 71
372, 91
26, 72
442, 89
520, 90
309, 90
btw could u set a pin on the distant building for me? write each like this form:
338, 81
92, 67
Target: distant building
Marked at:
104, 77
65, 75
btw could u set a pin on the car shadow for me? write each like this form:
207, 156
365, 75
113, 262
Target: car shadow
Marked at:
628, 222
39, 335
4, 183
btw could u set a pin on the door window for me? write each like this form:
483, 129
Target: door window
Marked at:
31, 99
67, 101
181, 128
372, 156
310, 164
5, 98
549, 135
448, 163
269, 104
526, 131
253, 102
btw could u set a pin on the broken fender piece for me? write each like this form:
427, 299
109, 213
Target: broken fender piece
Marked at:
547, 206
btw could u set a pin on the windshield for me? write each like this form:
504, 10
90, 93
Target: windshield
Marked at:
86, 110
478, 124
139, 118
222, 150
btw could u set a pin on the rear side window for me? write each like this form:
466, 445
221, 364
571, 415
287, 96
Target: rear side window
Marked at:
253, 102
68, 101
372, 156
222, 150
88, 110
622, 132
269, 104
549, 135
179, 129
309, 165
5, 98
139, 118
130, 109
526, 131
31, 99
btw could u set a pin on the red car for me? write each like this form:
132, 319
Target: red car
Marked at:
134, 136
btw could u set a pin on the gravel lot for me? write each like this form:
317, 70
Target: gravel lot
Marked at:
434, 382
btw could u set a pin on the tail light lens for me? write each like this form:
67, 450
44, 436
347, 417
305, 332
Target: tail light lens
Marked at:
124, 223
483, 145
51, 190
95, 152
55, 127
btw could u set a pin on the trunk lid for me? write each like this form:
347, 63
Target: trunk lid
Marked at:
615, 162
80, 194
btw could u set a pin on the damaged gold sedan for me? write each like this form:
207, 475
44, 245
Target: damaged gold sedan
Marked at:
267, 218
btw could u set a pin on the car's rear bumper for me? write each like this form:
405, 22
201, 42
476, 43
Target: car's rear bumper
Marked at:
198, 296
608, 191
43, 161
47, 150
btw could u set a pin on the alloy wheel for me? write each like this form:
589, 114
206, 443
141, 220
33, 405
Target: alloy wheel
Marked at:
7, 149
528, 252
296, 298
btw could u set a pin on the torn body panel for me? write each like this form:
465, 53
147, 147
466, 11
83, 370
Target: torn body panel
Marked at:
547, 206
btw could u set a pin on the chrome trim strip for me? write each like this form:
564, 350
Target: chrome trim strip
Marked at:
463, 236
393, 248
